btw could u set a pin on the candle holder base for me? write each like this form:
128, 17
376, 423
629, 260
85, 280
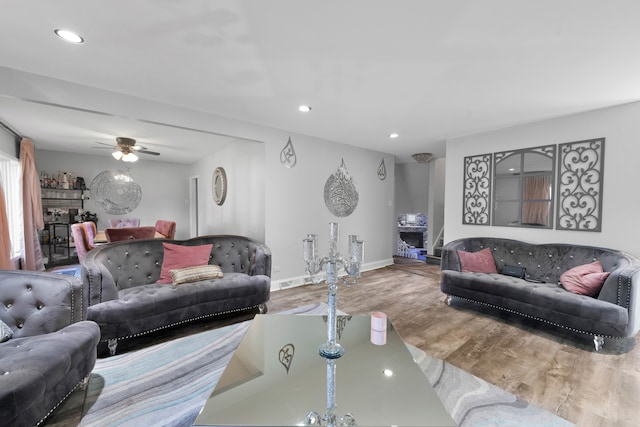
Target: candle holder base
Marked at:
331, 351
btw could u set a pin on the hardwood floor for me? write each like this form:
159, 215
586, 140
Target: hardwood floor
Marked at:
547, 366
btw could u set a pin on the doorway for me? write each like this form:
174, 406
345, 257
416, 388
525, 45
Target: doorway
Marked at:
193, 207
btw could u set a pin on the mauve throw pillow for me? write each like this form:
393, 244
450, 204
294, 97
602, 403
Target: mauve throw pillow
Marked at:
477, 262
586, 279
178, 256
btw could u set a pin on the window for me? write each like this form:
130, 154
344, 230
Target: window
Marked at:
11, 179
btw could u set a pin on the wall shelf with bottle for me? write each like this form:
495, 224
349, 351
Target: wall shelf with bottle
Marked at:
63, 197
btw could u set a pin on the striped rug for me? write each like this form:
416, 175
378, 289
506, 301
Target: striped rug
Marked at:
166, 385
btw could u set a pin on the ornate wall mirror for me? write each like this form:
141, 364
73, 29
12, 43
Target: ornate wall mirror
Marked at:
219, 185
523, 187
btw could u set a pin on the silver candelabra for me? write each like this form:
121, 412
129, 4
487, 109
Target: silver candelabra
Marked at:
332, 350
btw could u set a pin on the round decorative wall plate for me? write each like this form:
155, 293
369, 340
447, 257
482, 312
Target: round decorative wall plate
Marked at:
340, 193
219, 186
115, 192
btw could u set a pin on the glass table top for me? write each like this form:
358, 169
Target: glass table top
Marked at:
276, 377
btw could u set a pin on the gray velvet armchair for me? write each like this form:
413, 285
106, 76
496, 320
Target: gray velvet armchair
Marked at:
51, 349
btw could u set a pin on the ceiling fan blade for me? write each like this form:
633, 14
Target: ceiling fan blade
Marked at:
126, 144
104, 143
153, 153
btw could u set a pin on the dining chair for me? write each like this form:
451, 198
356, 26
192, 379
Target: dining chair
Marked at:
129, 233
81, 240
92, 230
166, 228
124, 222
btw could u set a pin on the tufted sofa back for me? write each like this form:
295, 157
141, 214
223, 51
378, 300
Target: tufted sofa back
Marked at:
110, 268
544, 262
34, 303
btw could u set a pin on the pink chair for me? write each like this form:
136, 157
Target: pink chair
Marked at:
81, 240
129, 233
166, 228
91, 231
124, 222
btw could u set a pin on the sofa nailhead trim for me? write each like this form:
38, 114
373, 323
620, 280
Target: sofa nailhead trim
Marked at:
536, 318
58, 404
204, 316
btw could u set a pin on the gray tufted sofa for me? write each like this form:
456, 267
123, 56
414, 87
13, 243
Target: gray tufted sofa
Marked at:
614, 313
52, 349
123, 298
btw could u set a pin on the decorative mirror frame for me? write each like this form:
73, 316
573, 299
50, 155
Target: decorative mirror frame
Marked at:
220, 195
476, 203
548, 151
580, 183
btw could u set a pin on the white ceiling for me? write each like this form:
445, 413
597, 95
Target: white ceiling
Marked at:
429, 70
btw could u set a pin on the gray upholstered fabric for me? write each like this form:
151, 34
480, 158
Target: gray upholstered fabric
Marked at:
52, 349
614, 313
122, 296
5, 332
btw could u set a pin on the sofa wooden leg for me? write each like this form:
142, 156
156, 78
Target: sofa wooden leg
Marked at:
598, 342
448, 300
262, 308
112, 344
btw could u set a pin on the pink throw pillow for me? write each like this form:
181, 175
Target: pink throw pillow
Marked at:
178, 256
477, 262
586, 279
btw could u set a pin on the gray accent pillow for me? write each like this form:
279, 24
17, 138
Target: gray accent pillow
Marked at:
5, 332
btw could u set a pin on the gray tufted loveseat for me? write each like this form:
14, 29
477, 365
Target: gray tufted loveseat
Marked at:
51, 351
613, 313
123, 298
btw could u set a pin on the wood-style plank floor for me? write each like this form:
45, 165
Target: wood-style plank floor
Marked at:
547, 366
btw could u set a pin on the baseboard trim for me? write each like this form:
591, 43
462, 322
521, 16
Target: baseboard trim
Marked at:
292, 282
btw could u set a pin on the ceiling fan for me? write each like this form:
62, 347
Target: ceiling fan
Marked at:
126, 149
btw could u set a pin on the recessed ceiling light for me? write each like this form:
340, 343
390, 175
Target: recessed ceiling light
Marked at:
393, 135
69, 36
387, 372
304, 108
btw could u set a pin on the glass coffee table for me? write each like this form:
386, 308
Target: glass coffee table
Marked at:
276, 377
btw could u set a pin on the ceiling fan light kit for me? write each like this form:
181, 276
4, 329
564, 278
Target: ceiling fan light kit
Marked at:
422, 157
125, 149
125, 157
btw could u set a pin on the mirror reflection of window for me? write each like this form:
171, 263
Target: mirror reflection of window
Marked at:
523, 187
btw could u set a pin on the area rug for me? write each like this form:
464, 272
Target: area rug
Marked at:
166, 385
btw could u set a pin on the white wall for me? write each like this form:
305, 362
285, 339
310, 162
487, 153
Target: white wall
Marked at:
243, 210
621, 204
164, 185
265, 200
412, 187
295, 202
7, 144
435, 214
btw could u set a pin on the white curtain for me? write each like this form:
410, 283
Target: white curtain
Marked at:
11, 216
